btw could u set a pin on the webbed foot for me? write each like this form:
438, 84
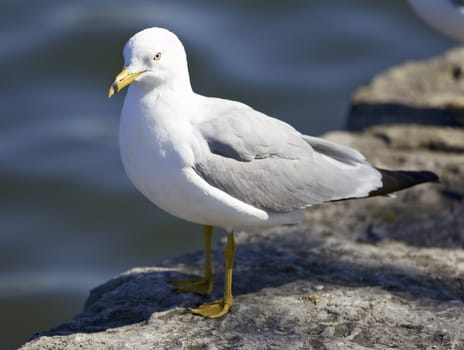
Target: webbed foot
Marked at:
213, 310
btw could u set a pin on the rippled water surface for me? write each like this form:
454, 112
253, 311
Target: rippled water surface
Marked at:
69, 217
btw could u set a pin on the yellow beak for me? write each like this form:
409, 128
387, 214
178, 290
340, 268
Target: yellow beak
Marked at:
122, 80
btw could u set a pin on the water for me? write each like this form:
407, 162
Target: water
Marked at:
69, 218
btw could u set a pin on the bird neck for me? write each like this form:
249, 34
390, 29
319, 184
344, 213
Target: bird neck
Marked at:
176, 86
166, 99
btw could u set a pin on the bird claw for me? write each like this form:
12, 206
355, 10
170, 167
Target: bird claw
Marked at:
212, 310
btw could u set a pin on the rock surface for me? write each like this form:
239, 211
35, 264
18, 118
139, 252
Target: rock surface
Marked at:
426, 92
378, 273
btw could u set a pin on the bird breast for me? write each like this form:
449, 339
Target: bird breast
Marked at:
155, 152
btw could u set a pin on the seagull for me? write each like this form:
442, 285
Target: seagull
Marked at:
447, 16
221, 163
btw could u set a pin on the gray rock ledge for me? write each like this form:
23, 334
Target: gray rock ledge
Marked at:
378, 273
427, 92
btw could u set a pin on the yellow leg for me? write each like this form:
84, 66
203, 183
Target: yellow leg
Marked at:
202, 286
220, 308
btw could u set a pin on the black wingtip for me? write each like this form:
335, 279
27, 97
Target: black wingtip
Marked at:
396, 180
423, 176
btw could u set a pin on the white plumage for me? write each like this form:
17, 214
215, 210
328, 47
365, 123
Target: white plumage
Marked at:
447, 16
219, 162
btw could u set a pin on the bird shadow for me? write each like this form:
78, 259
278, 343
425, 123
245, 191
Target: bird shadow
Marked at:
265, 263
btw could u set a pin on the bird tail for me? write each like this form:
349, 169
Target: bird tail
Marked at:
396, 180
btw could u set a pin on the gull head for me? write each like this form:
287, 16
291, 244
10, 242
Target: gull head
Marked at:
153, 57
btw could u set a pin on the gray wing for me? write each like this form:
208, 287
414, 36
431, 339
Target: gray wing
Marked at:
265, 162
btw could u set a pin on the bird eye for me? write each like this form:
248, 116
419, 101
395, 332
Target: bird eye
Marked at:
157, 57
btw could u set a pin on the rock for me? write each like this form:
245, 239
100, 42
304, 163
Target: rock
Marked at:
377, 273
427, 92
426, 215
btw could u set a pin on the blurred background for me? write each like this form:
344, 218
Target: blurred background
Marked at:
69, 217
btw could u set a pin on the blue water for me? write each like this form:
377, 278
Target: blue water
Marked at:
69, 218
